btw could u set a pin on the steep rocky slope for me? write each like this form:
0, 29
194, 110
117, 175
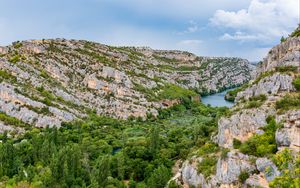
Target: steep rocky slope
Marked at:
259, 141
46, 82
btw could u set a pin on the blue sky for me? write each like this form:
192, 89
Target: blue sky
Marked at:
243, 28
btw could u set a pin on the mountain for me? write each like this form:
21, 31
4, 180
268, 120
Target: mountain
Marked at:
46, 82
258, 143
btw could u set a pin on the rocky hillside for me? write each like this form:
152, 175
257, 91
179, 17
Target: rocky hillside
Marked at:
46, 82
258, 142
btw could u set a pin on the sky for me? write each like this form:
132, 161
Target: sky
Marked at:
233, 28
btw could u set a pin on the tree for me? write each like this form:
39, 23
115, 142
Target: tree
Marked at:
120, 166
9, 161
282, 39
154, 140
159, 178
101, 171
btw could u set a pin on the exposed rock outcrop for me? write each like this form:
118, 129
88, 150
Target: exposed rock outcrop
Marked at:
242, 125
268, 86
284, 54
229, 169
188, 175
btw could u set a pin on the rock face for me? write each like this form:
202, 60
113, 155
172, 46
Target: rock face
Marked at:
242, 125
284, 54
229, 169
189, 176
45, 82
27, 110
269, 85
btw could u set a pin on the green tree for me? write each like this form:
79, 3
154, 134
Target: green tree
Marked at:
101, 171
154, 140
159, 178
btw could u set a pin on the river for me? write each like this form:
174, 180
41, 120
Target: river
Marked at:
217, 99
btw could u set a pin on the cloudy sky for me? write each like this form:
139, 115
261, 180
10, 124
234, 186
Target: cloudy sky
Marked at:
243, 28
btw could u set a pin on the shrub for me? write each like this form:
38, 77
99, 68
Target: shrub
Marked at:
15, 59
173, 184
243, 176
262, 145
11, 120
288, 102
283, 159
256, 101
296, 33
17, 45
286, 68
289, 165
296, 83
6, 75
282, 39
208, 148
224, 153
236, 143
207, 166
44, 74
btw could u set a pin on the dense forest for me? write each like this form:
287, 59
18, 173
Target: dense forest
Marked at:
105, 152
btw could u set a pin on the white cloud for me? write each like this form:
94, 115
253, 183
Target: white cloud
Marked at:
240, 36
190, 42
192, 28
264, 20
